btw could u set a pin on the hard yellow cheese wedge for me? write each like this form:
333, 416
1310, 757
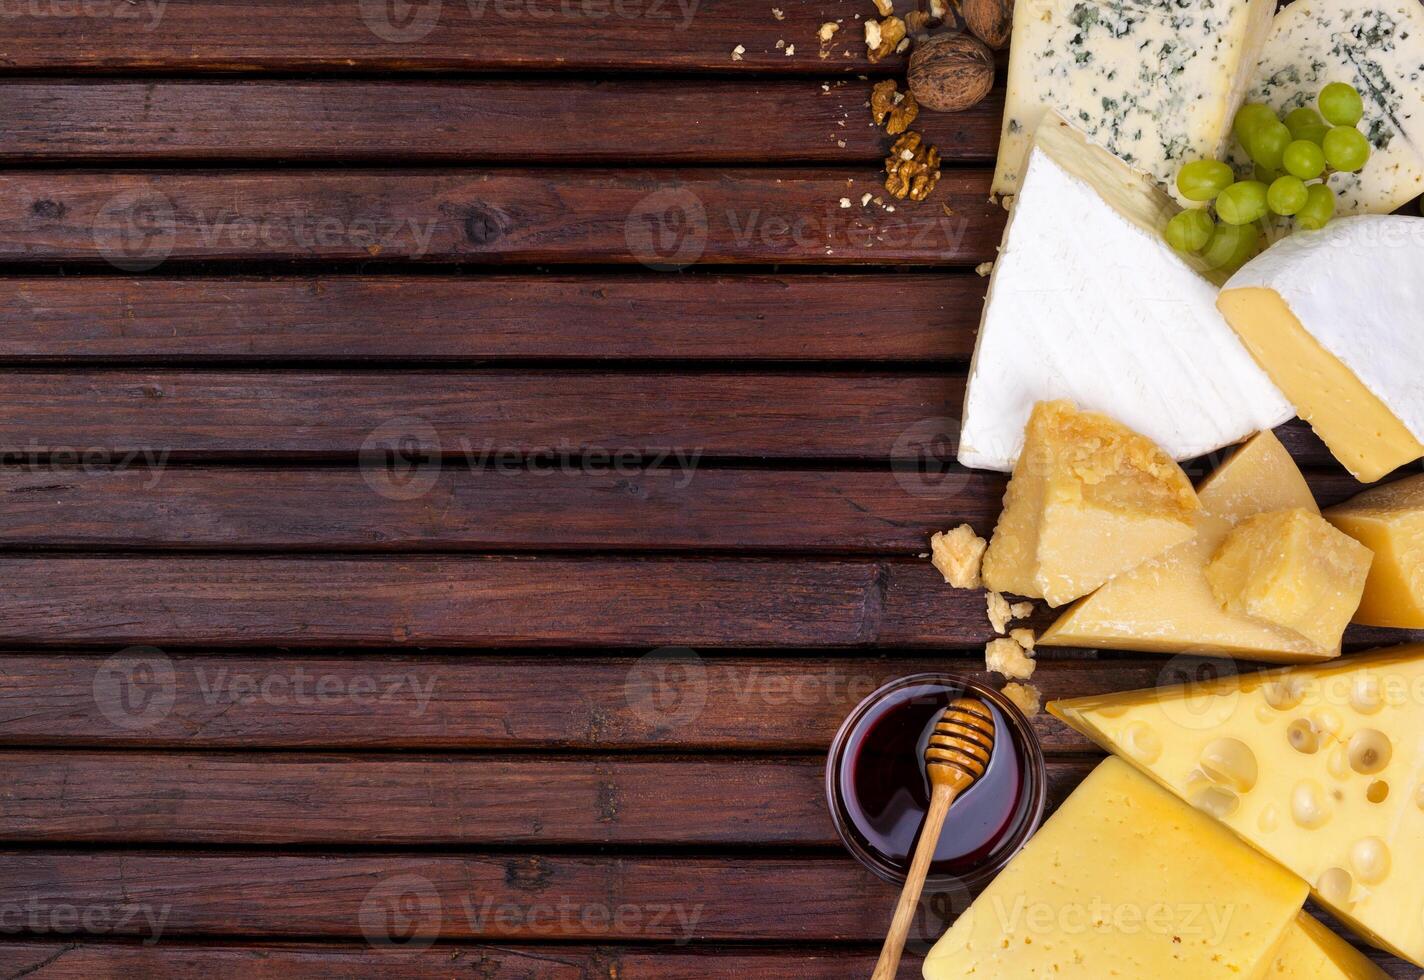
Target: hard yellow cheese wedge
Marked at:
1124, 881
1389, 520
1312, 952
1320, 767
1089, 499
1166, 605
1293, 569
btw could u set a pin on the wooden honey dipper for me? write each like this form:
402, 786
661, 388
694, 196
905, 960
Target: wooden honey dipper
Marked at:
956, 757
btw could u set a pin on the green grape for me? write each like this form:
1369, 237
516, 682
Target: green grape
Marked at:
1190, 230
1305, 124
1242, 203
1346, 148
1340, 104
1319, 207
1265, 176
1230, 247
1249, 117
1267, 144
1202, 180
1287, 195
1304, 159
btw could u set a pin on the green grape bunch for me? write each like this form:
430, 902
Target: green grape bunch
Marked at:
1292, 160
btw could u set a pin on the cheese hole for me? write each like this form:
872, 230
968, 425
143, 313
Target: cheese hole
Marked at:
1269, 819
1303, 737
1365, 695
1231, 762
1142, 742
1377, 791
1219, 801
1370, 859
1285, 694
1370, 751
1309, 806
1334, 885
1327, 720
1338, 762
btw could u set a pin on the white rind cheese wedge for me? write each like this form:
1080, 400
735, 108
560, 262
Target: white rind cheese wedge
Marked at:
1334, 317
1156, 83
1378, 47
1088, 303
1319, 767
1124, 881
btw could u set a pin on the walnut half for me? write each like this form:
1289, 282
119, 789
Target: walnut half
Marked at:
911, 169
883, 37
899, 107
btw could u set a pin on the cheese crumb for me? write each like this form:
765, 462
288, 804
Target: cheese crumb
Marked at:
778, 13
827, 31
737, 53
845, 202
790, 50
1005, 656
998, 612
903, 46
984, 268
872, 34
781, 44
1021, 610
1023, 637
1025, 697
864, 199
958, 554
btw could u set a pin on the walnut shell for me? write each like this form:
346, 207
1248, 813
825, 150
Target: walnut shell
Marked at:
991, 20
951, 72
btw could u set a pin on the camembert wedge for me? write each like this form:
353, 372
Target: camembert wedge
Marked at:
1333, 316
1124, 881
1389, 520
1088, 303
1166, 605
1089, 499
1320, 767
1156, 84
1312, 952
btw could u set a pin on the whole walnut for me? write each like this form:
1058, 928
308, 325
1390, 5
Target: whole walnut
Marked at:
951, 72
991, 20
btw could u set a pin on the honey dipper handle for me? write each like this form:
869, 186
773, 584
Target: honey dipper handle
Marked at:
889, 964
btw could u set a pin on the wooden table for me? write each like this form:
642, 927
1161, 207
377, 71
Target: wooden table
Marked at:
461, 463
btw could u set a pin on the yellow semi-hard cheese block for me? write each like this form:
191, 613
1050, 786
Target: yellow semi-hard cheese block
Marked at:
1166, 605
1389, 520
1124, 881
1293, 569
1089, 499
1321, 767
1312, 952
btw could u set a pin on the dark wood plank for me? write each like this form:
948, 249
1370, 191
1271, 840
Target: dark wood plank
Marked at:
851, 317
332, 35
659, 218
496, 601
51, 960
669, 699
487, 417
551, 121
356, 801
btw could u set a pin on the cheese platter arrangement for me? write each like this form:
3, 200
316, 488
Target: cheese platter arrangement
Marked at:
1211, 231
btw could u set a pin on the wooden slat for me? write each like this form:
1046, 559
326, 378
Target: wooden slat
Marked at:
51, 960
491, 602
366, 35
549, 121
393, 318
355, 801
485, 416
653, 217
487, 509
671, 699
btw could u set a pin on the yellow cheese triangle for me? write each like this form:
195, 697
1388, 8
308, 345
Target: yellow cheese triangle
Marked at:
1320, 767
1166, 606
1312, 952
1124, 881
1389, 520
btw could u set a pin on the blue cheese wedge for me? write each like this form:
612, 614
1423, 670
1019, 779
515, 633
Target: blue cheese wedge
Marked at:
1156, 82
1378, 47
1088, 303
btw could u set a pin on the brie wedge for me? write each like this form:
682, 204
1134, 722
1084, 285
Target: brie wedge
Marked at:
1088, 303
